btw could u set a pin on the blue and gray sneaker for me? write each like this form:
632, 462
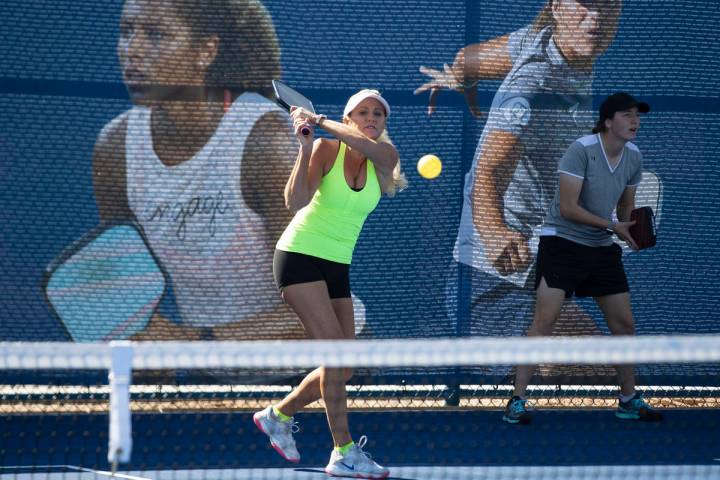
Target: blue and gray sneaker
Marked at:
637, 409
516, 411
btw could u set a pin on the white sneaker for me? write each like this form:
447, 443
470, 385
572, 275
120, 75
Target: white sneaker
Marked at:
355, 463
279, 432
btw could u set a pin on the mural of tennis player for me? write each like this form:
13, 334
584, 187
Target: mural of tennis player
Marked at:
543, 104
200, 162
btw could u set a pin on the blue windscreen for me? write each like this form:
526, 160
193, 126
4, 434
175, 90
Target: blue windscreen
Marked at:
61, 83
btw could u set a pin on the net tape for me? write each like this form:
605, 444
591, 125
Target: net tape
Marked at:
367, 353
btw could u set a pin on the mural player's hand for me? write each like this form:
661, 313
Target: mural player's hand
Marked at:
446, 79
508, 251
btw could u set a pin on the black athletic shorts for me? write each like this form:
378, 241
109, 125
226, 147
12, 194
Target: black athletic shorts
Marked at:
290, 268
579, 269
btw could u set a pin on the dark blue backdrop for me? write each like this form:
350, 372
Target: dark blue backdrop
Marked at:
60, 83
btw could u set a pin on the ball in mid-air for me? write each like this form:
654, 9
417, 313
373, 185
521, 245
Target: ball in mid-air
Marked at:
429, 166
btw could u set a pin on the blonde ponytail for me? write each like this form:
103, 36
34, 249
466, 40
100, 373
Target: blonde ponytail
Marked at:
399, 182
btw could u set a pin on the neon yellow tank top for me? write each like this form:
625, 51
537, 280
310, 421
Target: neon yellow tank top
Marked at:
329, 226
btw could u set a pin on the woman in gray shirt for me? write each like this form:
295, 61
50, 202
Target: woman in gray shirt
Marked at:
577, 255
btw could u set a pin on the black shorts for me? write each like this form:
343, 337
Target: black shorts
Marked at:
579, 269
290, 268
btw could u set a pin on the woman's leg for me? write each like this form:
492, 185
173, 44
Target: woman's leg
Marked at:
317, 313
548, 303
575, 321
309, 389
620, 320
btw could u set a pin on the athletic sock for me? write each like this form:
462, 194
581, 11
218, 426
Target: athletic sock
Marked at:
280, 415
344, 449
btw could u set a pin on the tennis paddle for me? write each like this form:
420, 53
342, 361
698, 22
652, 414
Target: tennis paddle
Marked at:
648, 199
106, 285
288, 97
643, 232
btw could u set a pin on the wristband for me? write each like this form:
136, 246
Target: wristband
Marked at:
610, 227
319, 119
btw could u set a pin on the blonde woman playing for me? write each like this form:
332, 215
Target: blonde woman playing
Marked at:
335, 184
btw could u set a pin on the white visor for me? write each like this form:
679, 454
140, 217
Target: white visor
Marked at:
355, 100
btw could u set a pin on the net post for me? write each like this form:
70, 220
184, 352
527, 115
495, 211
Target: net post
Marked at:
452, 394
119, 377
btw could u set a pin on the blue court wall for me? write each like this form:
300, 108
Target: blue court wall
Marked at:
60, 83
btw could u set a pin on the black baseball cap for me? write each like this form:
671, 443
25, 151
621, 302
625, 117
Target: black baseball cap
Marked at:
618, 102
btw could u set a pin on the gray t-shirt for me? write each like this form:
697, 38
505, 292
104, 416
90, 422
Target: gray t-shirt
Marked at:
547, 105
602, 187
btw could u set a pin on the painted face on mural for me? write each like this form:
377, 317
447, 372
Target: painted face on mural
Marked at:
586, 28
158, 52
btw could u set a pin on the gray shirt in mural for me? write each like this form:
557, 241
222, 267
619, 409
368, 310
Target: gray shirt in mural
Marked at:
547, 105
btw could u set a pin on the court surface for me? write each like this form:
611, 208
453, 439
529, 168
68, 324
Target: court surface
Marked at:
438, 445
595, 472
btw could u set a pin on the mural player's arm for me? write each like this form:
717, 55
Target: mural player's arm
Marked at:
507, 249
269, 154
109, 172
479, 61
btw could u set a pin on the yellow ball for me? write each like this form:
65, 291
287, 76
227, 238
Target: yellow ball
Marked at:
429, 166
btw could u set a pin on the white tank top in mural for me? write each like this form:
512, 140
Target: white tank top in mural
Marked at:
214, 247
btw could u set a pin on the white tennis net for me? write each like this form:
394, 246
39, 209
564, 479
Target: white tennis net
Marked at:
141, 394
